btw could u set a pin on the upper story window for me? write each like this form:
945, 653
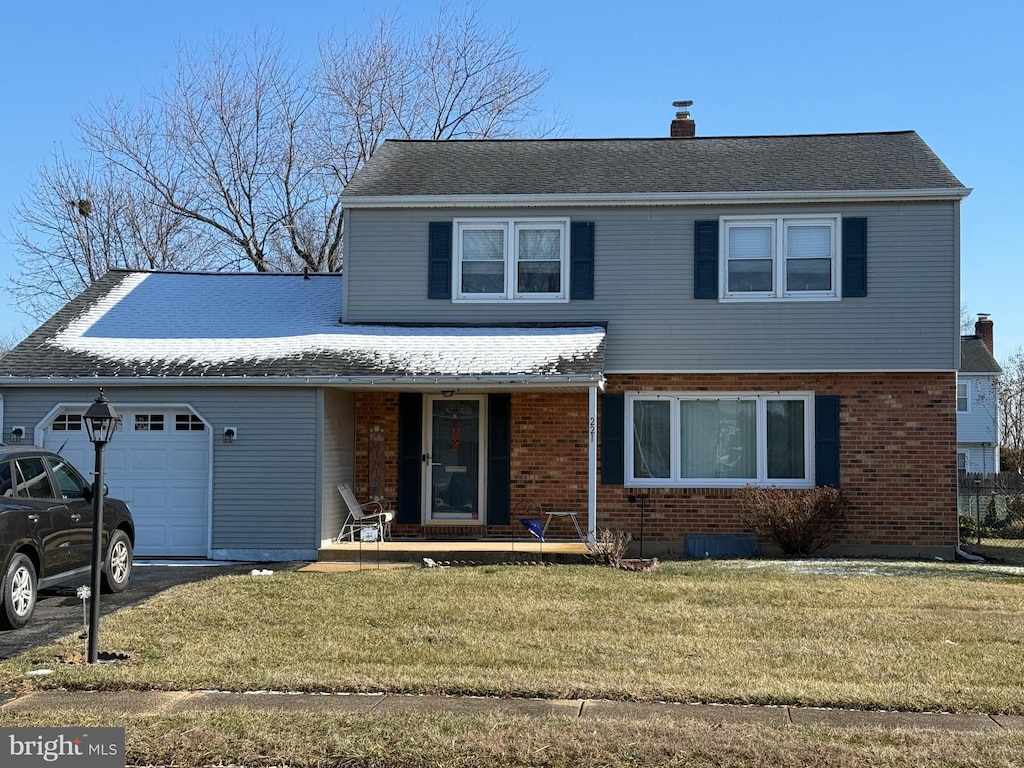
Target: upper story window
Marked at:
719, 440
963, 397
511, 259
780, 257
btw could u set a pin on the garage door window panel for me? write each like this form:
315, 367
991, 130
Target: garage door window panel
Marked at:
149, 422
188, 422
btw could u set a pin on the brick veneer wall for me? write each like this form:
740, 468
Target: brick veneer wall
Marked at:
897, 458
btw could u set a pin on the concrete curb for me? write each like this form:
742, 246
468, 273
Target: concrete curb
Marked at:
134, 703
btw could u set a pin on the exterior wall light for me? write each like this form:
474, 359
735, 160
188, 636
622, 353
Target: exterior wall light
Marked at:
230, 433
17, 434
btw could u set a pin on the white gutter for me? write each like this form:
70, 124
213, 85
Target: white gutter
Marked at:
651, 198
419, 383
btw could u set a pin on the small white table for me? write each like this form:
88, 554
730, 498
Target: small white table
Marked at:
562, 513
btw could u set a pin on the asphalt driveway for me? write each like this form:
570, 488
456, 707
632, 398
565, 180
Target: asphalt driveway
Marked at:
59, 611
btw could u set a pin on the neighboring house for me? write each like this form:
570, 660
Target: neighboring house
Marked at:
601, 326
977, 405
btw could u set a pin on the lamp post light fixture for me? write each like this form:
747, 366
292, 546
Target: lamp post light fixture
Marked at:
100, 422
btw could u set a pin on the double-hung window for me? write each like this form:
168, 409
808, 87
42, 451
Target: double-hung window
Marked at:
720, 440
780, 257
963, 397
511, 259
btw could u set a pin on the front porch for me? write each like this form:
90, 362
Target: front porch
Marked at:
455, 552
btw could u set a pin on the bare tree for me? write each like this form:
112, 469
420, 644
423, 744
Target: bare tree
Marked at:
9, 340
1010, 386
79, 221
239, 159
219, 145
457, 80
966, 321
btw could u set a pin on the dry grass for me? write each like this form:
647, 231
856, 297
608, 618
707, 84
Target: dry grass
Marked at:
257, 739
942, 637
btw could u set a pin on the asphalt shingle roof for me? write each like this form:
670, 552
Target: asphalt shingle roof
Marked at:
154, 324
808, 163
975, 357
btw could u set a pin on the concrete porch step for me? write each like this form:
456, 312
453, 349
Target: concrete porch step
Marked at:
480, 552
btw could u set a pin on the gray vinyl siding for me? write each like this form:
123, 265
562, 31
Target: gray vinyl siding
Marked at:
265, 490
339, 457
644, 291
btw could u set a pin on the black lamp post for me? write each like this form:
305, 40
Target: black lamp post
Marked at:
100, 422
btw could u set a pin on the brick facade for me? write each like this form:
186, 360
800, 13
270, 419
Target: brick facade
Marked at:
897, 455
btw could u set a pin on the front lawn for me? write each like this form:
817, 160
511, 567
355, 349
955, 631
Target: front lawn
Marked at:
871, 635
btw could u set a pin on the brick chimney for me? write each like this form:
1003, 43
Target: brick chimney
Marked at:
983, 330
683, 126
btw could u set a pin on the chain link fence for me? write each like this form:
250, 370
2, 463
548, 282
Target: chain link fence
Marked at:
992, 516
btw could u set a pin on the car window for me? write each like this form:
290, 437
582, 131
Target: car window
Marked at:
71, 484
6, 486
33, 482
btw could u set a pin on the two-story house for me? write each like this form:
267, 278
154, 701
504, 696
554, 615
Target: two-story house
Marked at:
977, 404
590, 325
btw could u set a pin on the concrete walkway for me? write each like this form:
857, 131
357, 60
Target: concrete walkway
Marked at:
137, 703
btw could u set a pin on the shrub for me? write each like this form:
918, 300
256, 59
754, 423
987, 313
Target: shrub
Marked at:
799, 522
608, 547
968, 527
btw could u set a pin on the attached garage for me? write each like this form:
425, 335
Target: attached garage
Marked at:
159, 462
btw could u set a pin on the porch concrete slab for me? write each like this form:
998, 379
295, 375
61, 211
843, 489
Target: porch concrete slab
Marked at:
715, 713
110, 702
338, 567
280, 702
1010, 722
455, 552
477, 706
845, 718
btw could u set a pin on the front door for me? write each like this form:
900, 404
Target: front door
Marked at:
454, 477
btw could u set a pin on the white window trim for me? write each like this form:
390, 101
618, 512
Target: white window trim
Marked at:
675, 481
966, 383
779, 225
511, 227
967, 459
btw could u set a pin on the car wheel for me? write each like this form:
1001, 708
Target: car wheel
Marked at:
118, 565
19, 592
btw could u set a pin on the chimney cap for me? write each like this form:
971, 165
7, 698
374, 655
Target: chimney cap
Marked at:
983, 315
682, 103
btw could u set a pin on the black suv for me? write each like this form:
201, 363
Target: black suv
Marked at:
46, 530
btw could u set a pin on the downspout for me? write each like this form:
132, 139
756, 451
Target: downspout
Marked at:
592, 467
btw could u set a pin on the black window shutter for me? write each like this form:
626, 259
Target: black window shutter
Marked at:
855, 257
499, 458
439, 275
581, 260
613, 443
705, 259
826, 440
410, 456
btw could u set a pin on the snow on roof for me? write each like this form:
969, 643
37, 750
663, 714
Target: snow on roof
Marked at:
187, 324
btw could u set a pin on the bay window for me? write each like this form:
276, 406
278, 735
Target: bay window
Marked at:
719, 440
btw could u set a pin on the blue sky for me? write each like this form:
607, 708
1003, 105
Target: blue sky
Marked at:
952, 71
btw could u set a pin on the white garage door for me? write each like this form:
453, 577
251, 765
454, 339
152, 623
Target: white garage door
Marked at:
159, 462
